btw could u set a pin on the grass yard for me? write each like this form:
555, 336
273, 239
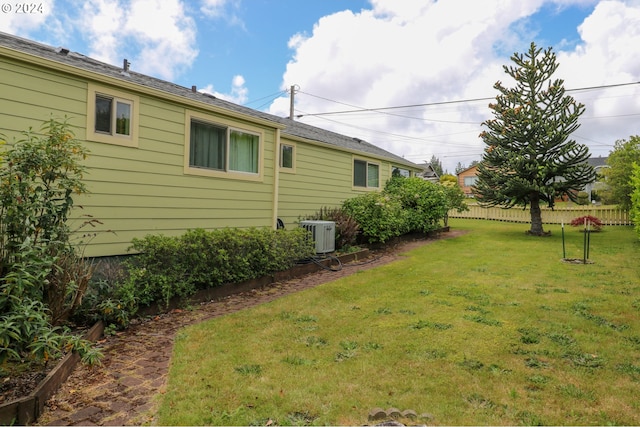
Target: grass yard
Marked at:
490, 328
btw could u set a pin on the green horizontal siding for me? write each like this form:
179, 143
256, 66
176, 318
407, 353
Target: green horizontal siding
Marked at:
135, 191
323, 177
29, 96
144, 190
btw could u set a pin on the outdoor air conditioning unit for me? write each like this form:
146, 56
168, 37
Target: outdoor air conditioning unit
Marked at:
323, 234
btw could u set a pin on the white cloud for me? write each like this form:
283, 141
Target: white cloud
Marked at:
239, 91
404, 53
214, 8
13, 20
223, 9
162, 46
608, 55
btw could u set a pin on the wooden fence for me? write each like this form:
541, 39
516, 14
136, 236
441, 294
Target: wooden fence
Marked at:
608, 215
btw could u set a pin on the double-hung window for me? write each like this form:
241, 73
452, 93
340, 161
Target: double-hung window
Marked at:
215, 148
366, 174
112, 116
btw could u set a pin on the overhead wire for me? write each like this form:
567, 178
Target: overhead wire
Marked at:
429, 104
269, 98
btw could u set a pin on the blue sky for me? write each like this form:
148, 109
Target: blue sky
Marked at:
350, 54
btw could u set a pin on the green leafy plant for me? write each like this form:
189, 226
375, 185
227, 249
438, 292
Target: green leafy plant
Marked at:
425, 202
167, 267
42, 279
379, 216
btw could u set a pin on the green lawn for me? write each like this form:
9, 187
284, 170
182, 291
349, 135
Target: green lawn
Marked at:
487, 328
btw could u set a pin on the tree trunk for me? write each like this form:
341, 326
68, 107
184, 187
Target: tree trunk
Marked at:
536, 217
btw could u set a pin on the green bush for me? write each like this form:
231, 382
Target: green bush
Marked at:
583, 198
42, 279
167, 267
380, 216
346, 227
405, 205
424, 201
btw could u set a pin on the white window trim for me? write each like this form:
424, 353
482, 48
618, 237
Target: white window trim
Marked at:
117, 95
368, 162
292, 169
230, 126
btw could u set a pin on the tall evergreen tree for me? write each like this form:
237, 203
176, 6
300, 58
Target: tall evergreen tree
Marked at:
529, 157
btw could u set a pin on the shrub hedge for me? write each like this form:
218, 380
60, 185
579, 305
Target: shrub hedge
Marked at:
405, 205
178, 266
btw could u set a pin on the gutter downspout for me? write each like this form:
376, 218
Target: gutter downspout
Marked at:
276, 181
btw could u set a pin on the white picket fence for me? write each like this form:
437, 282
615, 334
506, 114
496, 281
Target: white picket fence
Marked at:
608, 215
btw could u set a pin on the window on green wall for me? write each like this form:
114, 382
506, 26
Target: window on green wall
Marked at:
223, 149
366, 174
398, 171
112, 116
286, 156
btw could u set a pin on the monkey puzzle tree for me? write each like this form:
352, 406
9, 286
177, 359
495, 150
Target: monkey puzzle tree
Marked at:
529, 158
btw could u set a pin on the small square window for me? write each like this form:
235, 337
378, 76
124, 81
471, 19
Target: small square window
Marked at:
112, 116
110, 120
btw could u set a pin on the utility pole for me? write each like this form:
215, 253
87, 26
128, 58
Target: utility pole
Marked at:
292, 94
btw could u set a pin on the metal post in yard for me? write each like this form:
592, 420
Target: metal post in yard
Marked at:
564, 251
588, 239
584, 244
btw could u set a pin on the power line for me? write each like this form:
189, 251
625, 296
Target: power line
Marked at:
270, 97
430, 104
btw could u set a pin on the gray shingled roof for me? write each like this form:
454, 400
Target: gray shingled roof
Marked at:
293, 128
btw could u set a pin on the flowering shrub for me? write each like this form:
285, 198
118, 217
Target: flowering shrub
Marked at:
594, 223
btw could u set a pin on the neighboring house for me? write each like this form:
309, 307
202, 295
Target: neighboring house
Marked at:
165, 158
467, 179
429, 173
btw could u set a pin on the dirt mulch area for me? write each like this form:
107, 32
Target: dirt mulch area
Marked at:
135, 366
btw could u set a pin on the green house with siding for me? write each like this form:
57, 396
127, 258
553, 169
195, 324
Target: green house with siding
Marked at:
164, 159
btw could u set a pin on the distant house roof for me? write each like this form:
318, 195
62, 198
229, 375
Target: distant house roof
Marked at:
428, 172
290, 127
468, 169
597, 162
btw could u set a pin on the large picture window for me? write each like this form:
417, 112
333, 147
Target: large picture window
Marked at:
366, 174
221, 148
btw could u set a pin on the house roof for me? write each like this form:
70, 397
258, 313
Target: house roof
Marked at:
468, 169
597, 161
289, 127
